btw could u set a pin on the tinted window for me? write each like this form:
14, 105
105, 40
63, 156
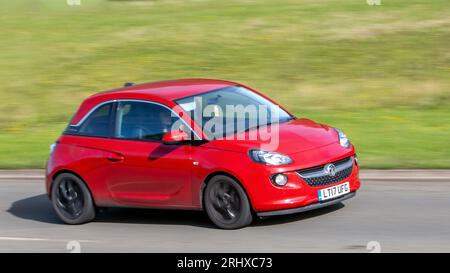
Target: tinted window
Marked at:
98, 123
145, 121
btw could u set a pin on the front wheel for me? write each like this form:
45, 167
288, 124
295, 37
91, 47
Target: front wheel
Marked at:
72, 200
226, 203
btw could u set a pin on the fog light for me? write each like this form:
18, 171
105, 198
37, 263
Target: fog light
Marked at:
279, 179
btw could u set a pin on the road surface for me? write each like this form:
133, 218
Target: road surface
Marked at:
400, 214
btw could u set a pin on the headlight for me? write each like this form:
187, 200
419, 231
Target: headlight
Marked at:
343, 139
269, 158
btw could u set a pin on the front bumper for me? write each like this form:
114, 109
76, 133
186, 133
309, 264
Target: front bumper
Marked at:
267, 197
308, 207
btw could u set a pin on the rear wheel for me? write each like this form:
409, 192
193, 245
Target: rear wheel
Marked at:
72, 200
226, 203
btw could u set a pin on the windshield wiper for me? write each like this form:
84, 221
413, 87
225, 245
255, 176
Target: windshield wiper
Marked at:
256, 127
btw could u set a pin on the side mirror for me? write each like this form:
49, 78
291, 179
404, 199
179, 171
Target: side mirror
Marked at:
175, 137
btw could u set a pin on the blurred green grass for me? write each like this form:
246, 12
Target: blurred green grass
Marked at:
380, 73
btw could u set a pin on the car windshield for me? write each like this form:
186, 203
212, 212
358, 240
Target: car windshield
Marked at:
231, 110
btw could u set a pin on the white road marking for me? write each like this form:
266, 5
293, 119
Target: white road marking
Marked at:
43, 239
410, 179
22, 239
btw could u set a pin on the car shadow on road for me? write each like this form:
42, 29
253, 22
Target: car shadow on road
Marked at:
284, 219
39, 208
154, 216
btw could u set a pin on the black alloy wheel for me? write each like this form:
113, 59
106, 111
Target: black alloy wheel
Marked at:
226, 203
72, 200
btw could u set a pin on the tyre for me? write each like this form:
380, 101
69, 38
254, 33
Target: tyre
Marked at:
226, 203
72, 200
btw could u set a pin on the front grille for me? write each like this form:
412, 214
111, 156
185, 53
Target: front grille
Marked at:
316, 176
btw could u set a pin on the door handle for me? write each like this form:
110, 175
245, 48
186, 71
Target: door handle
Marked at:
116, 157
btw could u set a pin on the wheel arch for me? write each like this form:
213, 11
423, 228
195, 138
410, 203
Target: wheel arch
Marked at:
62, 171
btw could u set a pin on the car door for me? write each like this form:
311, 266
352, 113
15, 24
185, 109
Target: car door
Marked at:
147, 172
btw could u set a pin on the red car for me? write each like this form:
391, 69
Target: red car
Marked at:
177, 145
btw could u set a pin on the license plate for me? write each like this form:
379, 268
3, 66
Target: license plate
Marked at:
333, 192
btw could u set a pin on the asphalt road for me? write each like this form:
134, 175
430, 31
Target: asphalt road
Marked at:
400, 215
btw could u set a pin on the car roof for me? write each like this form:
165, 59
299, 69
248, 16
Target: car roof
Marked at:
169, 90
164, 92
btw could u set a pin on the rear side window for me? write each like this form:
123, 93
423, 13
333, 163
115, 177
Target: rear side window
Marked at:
98, 124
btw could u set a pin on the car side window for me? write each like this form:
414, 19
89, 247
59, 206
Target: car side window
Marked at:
98, 123
145, 121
